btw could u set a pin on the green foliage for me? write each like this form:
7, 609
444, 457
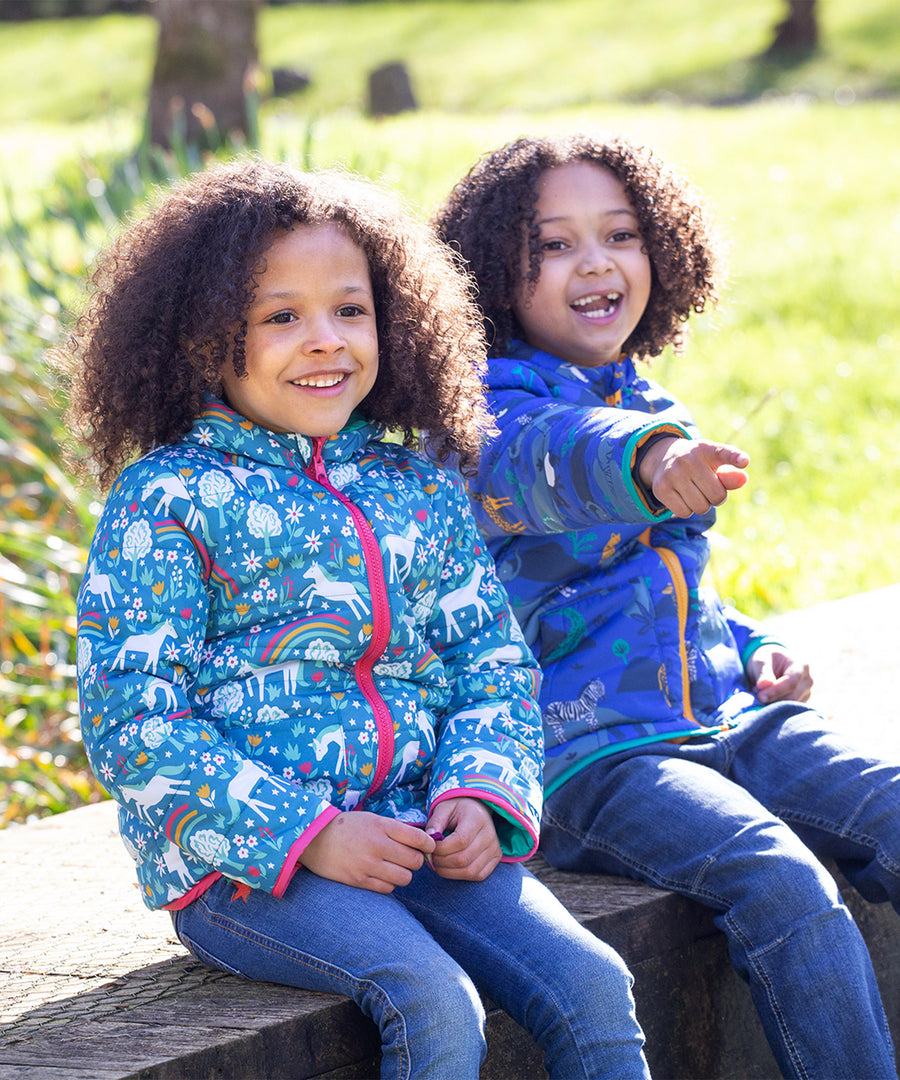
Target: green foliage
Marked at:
45, 524
799, 366
46, 519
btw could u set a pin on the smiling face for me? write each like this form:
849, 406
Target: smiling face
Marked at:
595, 275
311, 347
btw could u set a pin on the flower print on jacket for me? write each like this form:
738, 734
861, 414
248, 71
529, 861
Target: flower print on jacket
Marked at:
274, 630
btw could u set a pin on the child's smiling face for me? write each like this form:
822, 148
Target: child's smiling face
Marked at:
312, 346
595, 275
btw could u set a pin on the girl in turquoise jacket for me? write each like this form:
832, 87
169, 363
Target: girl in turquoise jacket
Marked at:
298, 672
679, 745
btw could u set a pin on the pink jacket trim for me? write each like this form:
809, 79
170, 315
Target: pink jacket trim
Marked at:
292, 862
191, 895
508, 811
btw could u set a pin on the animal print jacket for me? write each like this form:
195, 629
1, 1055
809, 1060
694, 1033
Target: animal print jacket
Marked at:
605, 585
274, 630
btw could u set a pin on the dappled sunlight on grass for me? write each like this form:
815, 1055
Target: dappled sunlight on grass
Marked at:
799, 366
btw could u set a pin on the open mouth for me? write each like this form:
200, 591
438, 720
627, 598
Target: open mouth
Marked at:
321, 382
597, 305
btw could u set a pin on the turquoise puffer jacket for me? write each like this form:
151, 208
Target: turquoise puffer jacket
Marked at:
274, 630
605, 584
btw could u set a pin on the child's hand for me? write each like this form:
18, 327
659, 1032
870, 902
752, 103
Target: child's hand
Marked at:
776, 677
367, 851
690, 475
470, 849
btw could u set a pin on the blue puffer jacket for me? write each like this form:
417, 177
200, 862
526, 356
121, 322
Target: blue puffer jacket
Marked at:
274, 630
605, 585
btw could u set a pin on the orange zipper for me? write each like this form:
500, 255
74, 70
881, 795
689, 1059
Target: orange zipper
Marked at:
671, 563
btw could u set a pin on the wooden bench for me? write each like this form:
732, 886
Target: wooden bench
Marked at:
95, 987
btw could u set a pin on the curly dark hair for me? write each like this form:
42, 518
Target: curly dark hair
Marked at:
493, 208
168, 304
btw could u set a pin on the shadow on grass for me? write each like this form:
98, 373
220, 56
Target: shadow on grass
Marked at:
808, 73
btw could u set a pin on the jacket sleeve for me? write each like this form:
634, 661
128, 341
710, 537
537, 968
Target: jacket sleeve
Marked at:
489, 738
557, 467
749, 634
142, 610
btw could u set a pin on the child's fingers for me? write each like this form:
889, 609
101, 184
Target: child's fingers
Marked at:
733, 455
410, 836
731, 477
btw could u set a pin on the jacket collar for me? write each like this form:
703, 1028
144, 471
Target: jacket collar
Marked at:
603, 381
220, 428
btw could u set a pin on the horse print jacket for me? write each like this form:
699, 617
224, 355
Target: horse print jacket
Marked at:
273, 630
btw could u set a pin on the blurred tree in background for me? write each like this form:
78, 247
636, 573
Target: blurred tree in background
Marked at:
206, 69
798, 33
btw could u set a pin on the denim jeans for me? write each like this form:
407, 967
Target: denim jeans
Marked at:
736, 820
415, 961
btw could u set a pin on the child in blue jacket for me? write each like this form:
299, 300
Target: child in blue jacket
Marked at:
298, 673
678, 749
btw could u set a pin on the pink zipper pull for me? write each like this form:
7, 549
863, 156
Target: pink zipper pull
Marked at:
317, 464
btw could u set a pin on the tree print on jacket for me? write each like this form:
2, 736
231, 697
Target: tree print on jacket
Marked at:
274, 630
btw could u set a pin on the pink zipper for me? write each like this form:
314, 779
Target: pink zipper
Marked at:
381, 622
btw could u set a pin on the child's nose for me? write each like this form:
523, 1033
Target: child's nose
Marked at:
595, 258
323, 337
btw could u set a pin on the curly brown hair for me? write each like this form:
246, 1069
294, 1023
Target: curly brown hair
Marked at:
493, 208
169, 298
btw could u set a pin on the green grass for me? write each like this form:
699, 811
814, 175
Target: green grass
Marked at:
799, 365
472, 55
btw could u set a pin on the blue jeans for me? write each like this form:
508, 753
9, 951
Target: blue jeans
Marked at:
415, 961
736, 820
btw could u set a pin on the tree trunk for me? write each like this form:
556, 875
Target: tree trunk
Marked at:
798, 33
206, 62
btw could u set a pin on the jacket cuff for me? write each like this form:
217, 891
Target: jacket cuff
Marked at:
292, 862
635, 450
517, 835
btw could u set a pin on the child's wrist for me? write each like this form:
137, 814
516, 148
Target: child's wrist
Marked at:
646, 459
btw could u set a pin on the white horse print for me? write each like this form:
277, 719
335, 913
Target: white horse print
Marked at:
155, 790
482, 757
169, 488
170, 698
240, 786
483, 717
410, 756
402, 549
260, 676
175, 864
148, 644
100, 585
326, 589
332, 736
244, 476
467, 595
425, 724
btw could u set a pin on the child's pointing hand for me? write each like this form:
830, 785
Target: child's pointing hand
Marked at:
688, 476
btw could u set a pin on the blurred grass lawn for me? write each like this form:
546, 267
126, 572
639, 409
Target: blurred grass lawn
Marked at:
800, 364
